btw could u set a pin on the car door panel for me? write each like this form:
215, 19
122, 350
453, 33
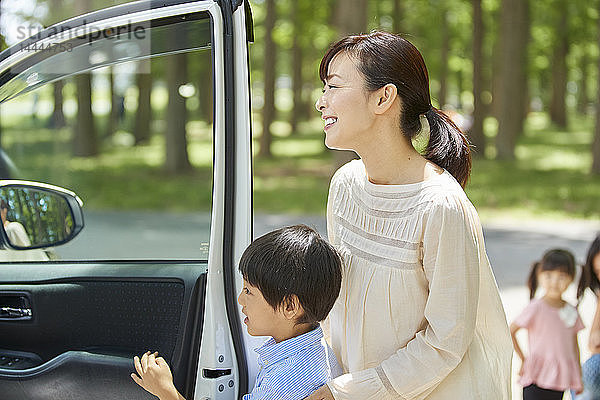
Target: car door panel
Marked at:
90, 317
86, 326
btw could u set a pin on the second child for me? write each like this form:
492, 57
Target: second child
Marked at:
552, 364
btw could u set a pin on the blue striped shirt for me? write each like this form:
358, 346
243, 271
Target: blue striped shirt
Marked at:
294, 368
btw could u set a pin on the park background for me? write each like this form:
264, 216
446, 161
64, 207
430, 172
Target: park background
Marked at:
521, 76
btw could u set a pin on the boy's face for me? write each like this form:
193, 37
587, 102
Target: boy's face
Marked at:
261, 319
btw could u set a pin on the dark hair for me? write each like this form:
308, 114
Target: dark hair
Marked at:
555, 259
388, 58
589, 279
3, 204
294, 260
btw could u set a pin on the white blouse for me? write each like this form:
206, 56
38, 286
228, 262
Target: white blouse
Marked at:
419, 315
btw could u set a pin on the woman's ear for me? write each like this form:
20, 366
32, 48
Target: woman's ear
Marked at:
384, 97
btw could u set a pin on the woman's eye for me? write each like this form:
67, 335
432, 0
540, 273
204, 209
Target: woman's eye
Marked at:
246, 291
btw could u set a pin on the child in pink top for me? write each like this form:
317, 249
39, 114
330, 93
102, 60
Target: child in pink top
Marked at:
552, 365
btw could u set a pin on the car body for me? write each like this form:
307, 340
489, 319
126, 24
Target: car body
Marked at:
88, 312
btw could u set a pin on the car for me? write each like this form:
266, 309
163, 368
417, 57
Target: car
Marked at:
126, 281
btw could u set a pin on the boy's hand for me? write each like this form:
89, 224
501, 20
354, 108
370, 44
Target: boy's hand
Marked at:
154, 376
322, 393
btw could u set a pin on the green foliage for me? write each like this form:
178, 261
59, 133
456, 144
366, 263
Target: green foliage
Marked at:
550, 174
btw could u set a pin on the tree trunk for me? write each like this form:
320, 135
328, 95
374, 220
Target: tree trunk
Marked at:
205, 89
398, 13
596, 143
297, 59
85, 143
57, 120
477, 136
176, 141
350, 18
444, 60
268, 112
582, 98
115, 105
558, 112
143, 116
460, 87
514, 35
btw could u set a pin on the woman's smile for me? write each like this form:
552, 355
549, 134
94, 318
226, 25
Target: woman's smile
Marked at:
329, 122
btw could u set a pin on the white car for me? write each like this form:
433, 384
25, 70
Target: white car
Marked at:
71, 323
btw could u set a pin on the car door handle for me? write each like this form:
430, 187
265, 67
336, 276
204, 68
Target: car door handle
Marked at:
11, 312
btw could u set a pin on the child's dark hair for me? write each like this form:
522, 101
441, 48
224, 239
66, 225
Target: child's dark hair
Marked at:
555, 259
294, 260
589, 279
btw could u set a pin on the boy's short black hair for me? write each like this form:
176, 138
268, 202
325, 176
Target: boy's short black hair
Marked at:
294, 260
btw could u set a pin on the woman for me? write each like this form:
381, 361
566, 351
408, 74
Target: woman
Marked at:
589, 280
419, 315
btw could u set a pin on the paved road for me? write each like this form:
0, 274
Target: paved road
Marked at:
511, 245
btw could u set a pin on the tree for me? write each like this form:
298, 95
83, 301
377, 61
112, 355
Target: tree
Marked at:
268, 112
85, 142
558, 112
57, 120
177, 159
297, 58
398, 14
477, 136
114, 115
350, 18
596, 142
582, 98
143, 116
514, 35
443, 75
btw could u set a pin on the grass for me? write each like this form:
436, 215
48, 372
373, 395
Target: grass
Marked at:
548, 178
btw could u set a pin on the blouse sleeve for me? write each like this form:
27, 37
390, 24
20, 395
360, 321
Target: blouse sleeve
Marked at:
579, 324
451, 257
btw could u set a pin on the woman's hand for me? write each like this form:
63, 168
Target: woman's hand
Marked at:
155, 376
322, 393
521, 369
594, 341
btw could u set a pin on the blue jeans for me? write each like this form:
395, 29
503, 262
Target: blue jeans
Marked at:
590, 374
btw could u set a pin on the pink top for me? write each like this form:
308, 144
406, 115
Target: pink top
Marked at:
551, 362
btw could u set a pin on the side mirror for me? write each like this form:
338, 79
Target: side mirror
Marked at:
36, 215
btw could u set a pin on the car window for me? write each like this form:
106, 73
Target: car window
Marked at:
132, 136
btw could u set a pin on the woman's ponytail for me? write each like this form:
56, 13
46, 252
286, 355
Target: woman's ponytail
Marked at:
532, 279
448, 147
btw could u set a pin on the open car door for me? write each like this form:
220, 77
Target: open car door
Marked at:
132, 280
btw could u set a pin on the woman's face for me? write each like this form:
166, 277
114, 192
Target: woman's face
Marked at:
596, 265
344, 105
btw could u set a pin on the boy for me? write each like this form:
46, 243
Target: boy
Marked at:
292, 278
